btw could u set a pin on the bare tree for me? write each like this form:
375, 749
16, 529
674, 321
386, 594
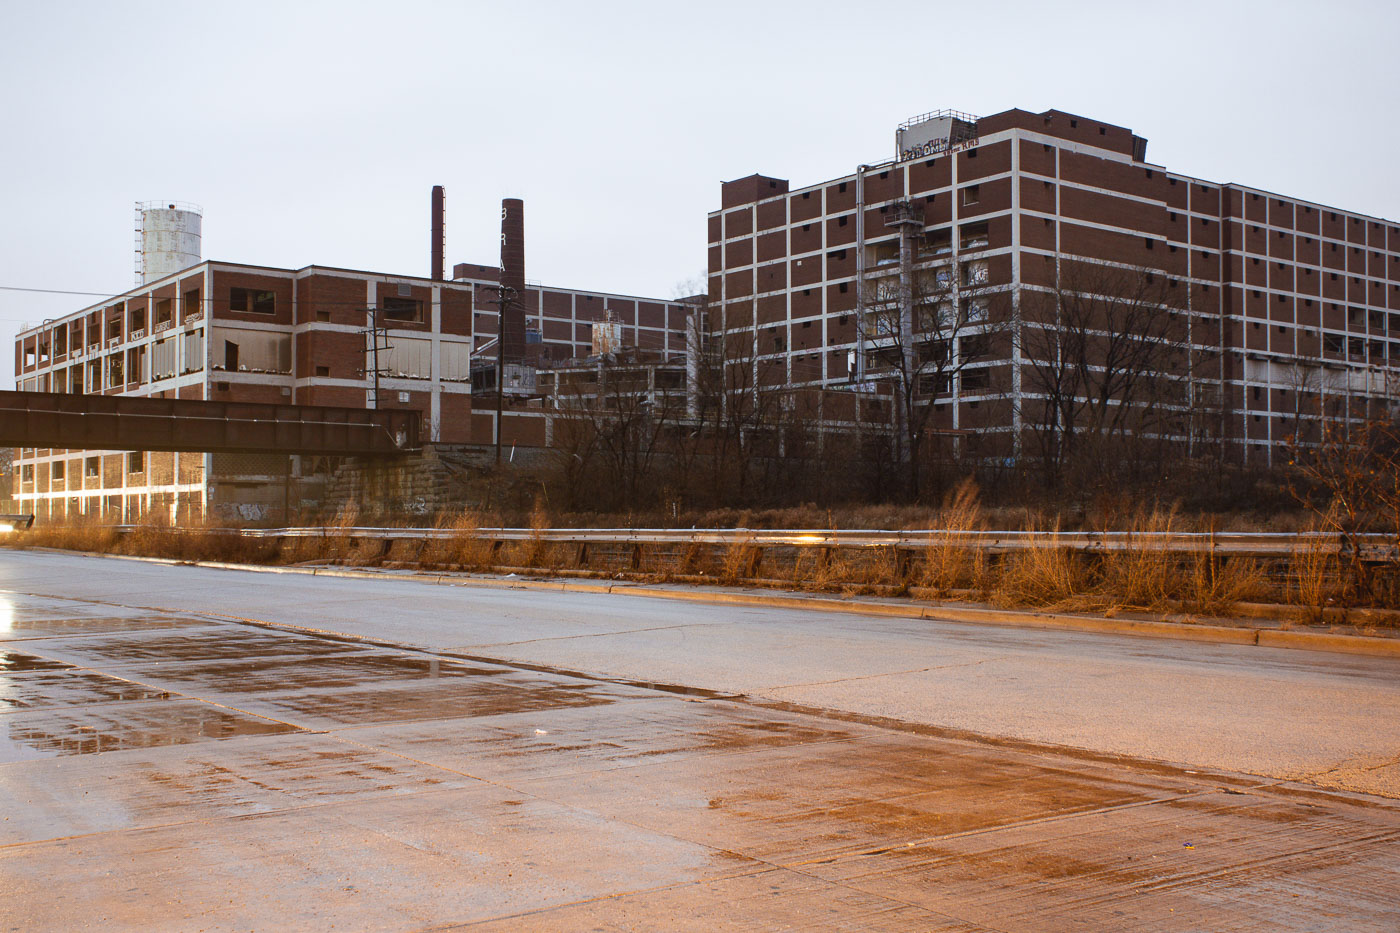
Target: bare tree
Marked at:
1350, 478
614, 420
1107, 365
929, 325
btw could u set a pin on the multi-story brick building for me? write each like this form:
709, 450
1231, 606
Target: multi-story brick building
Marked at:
313, 336
1288, 309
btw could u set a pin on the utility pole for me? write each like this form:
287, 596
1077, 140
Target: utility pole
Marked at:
505, 297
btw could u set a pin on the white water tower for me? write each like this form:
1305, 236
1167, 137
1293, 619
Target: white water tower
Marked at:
167, 238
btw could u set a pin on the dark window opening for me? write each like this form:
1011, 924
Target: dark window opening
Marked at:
323, 370
252, 301
401, 309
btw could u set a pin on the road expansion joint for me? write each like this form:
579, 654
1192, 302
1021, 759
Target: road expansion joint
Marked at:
586, 635
876, 676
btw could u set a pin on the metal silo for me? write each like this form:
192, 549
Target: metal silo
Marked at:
167, 238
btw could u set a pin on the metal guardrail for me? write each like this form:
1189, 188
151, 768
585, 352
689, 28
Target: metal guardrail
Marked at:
1257, 544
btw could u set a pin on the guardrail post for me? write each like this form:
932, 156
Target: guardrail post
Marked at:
754, 562
902, 562
581, 555
637, 555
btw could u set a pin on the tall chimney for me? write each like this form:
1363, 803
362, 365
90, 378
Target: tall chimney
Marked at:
439, 234
513, 277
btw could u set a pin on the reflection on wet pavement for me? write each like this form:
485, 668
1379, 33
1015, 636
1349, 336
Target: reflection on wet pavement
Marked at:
165, 766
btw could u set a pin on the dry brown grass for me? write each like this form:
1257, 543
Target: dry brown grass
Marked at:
1314, 573
738, 562
154, 537
1048, 576
534, 550
1143, 573
1216, 585
948, 563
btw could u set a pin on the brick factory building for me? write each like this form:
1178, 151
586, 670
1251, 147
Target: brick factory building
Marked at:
224, 331
956, 263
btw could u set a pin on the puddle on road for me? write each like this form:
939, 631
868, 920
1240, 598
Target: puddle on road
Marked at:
85, 731
41, 628
278, 674
18, 662
70, 688
215, 642
459, 698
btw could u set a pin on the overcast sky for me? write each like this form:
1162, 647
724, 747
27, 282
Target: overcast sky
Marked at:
313, 132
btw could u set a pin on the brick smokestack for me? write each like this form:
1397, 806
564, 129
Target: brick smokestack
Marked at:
513, 277
439, 232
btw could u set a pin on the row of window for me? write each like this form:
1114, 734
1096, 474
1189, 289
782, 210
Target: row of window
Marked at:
92, 467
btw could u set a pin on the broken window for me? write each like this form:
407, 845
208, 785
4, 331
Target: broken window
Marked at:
975, 273
135, 462
252, 301
92, 466
935, 384
253, 351
163, 313
938, 243
136, 364
401, 309
975, 380
973, 236
976, 346
972, 194
191, 305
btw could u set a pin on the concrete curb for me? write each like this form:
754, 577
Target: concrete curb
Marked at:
1182, 631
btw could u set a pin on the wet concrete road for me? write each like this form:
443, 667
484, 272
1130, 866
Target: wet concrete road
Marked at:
175, 770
